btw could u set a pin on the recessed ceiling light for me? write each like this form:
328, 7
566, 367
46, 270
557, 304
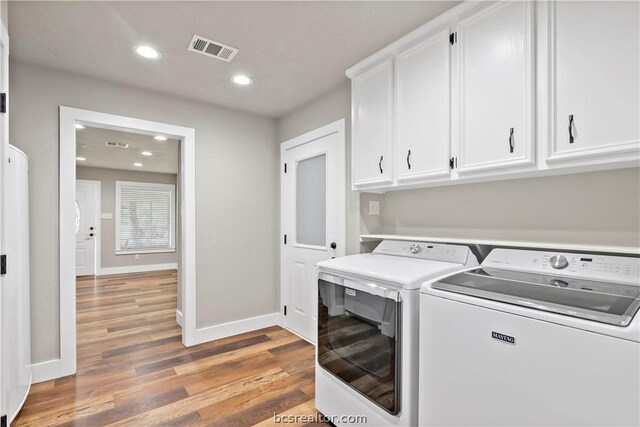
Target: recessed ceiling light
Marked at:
147, 52
160, 138
146, 153
242, 80
137, 164
82, 159
79, 126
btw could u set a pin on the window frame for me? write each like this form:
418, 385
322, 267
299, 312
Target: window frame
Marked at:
172, 217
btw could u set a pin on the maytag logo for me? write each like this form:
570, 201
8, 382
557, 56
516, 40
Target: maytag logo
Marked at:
502, 337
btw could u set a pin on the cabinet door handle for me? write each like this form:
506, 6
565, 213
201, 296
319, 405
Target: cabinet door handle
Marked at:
408, 159
380, 164
571, 138
512, 143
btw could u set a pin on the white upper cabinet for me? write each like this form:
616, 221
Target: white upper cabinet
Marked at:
494, 104
500, 89
372, 103
423, 143
595, 92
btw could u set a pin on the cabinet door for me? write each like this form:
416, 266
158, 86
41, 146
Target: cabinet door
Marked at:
495, 83
422, 110
596, 94
372, 127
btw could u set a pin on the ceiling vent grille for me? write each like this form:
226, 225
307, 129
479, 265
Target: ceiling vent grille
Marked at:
213, 49
114, 144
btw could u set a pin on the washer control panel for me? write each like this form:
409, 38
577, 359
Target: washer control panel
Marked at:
427, 251
586, 266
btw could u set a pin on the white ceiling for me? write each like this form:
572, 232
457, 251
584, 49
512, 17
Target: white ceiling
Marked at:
90, 144
294, 50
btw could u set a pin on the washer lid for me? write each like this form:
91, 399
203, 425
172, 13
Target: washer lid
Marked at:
407, 273
604, 302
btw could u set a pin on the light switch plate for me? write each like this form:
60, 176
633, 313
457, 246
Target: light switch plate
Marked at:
106, 216
374, 207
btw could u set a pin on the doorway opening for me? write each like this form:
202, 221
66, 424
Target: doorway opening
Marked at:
138, 237
126, 202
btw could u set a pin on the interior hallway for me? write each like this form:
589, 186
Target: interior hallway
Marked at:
133, 369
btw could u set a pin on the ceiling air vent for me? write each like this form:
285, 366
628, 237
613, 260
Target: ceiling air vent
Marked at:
208, 47
114, 144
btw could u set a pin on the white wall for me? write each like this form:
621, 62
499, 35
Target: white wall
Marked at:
107, 230
236, 183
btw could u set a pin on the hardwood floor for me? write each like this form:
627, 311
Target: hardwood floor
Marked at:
133, 369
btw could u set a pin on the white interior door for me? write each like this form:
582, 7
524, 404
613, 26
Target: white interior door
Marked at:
313, 219
86, 227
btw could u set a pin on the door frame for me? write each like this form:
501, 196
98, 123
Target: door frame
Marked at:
337, 127
66, 364
4, 142
98, 209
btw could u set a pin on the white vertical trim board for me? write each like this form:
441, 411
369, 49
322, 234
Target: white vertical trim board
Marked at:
179, 318
4, 141
66, 365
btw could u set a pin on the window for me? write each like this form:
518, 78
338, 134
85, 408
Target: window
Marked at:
145, 217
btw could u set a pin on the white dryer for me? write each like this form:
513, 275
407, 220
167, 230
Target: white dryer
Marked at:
532, 338
366, 359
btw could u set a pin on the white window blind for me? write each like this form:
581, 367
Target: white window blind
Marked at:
145, 215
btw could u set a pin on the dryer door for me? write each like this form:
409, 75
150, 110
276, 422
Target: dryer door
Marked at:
359, 338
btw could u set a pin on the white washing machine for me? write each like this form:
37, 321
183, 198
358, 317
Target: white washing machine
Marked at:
367, 352
532, 338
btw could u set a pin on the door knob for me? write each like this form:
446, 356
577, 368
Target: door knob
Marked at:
333, 245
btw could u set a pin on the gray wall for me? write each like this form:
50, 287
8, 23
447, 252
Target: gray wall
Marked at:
107, 230
236, 183
600, 208
596, 208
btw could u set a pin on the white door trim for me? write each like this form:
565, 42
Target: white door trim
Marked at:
97, 221
337, 127
4, 141
66, 364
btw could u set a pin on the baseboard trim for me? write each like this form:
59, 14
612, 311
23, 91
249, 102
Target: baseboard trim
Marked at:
49, 370
224, 330
56, 368
179, 318
137, 269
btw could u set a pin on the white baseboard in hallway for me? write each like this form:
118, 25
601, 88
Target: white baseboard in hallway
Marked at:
137, 269
179, 318
51, 369
224, 330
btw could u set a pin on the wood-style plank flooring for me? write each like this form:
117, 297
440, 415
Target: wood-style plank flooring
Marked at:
133, 369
